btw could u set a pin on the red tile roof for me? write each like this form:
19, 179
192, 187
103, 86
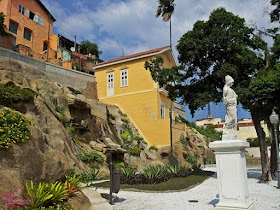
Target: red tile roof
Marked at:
132, 56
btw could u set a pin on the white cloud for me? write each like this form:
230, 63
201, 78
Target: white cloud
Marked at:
131, 25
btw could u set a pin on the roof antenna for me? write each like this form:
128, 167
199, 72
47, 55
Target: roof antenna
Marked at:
122, 52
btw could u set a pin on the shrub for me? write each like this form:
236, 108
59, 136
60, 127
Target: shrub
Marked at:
13, 128
89, 156
58, 191
127, 175
60, 109
153, 148
37, 197
151, 173
90, 176
71, 129
138, 138
125, 134
112, 117
126, 121
135, 151
76, 92
72, 182
12, 93
254, 142
122, 114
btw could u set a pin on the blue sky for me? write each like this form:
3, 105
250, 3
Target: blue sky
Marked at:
130, 25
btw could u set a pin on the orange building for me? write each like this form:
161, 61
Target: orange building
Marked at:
29, 21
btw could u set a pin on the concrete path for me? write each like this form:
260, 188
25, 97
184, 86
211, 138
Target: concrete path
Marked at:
266, 196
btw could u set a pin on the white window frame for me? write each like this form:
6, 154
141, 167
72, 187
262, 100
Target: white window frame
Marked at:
110, 83
162, 111
124, 81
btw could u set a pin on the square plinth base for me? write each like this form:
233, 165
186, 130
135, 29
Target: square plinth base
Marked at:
251, 207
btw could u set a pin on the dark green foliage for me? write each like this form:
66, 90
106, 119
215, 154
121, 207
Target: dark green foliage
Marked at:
87, 47
14, 128
76, 92
122, 114
153, 174
208, 131
60, 109
171, 184
153, 148
125, 120
275, 13
3, 27
112, 117
86, 156
12, 93
165, 9
254, 142
134, 150
90, 176
71, 129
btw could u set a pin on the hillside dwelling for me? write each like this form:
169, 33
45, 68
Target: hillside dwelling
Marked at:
125, 83
245, 127
29, 21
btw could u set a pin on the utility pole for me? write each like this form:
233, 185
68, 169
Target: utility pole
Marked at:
75, 42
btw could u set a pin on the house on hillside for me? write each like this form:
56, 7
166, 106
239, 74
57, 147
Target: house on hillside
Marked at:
245, 127
125, 83
30, 22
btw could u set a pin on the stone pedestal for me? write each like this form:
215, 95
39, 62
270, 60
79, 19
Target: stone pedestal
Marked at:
232, 175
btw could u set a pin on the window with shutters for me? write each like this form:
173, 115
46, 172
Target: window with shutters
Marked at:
124, 78
27, 34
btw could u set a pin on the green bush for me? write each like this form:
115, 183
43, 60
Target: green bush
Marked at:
76, 92
126, 121
37, 196
60, 109
254, 142
153, 148
122, 114
208, 131
13, 128
86, 156
11, 93
71, 129
112, 117
58, 191
135, 151
90, 176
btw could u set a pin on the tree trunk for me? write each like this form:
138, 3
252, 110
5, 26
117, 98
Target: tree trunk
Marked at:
266, 174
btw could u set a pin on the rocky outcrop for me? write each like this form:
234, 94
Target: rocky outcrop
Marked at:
63, 123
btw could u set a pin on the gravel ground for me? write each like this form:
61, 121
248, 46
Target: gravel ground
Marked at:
265, 196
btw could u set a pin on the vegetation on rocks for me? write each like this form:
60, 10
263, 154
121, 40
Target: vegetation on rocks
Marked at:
12, 93
86, 156
13, 128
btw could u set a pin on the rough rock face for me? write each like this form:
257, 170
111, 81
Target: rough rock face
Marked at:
52, 149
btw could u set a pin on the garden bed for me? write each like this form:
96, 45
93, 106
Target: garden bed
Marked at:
174, 184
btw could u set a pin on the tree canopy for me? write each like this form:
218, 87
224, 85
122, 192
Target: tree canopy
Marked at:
224, 45
165, 9
87, 47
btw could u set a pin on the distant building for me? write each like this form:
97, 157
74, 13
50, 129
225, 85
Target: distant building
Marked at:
245, 127
29, 21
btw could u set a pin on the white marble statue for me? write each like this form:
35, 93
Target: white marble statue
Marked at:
230, 101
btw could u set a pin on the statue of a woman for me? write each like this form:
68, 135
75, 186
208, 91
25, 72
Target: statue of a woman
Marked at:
230, 101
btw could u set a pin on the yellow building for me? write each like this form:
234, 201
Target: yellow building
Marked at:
125, 83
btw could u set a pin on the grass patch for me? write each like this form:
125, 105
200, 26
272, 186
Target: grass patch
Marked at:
172, 184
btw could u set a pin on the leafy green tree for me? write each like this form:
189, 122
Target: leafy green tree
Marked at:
220, 46
87, 47
2, 25
275, 13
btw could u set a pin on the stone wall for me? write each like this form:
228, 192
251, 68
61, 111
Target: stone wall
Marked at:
78, 80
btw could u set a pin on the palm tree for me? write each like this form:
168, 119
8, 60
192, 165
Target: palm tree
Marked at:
165, 10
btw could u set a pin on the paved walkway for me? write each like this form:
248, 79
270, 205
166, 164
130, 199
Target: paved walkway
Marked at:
266, 196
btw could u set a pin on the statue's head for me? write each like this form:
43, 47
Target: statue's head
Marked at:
229, 80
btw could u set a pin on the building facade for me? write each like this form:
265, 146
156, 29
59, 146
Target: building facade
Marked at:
245, 127
29, 21
125, 83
